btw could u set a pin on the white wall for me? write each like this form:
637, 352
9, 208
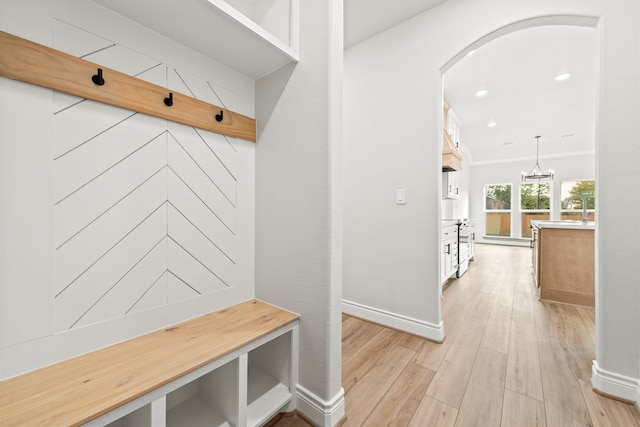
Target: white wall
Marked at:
391, 251
298, 205
569, 168
393, 96
73, 277
618, 202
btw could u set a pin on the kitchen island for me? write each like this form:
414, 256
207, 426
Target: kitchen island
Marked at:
563, 255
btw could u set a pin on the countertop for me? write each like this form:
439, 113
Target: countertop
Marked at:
578, 225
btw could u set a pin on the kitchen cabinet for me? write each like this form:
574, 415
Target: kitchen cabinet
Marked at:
450, 186
449, 253
451, 156
563, 262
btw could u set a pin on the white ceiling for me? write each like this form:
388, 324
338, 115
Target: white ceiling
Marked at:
517, 69
366, 18
524, 99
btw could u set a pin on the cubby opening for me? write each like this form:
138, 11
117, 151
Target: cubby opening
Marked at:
211, 400
269, 379
137, 418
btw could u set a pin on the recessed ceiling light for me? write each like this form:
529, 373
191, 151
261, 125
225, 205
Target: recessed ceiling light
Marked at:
482, 92
492, 124
563, 76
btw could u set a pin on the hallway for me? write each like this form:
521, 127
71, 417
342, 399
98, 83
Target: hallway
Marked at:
508, 359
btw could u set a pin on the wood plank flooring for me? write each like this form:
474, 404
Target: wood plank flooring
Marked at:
508, 359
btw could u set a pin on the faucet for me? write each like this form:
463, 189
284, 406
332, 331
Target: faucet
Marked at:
584, 205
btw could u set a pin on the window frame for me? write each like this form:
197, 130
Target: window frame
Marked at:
590, 212
509, 211
522, 211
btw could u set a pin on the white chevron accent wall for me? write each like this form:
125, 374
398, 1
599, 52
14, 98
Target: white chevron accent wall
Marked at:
145, 209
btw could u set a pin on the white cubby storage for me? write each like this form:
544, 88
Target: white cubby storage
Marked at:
249, 390
245, 388
269, 372
236, 367
139, 417
211, 400
254, 37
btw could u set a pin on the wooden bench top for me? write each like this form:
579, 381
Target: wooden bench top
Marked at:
77, 390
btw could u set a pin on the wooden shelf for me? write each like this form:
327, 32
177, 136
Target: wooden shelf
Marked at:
215, 29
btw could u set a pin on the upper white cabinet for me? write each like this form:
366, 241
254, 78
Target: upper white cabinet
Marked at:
453, 127
451, 156
254, 37
450, 185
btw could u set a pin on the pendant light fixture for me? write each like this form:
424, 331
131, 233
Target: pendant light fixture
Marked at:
536, 173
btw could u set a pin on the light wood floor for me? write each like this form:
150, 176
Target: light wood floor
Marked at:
508, 359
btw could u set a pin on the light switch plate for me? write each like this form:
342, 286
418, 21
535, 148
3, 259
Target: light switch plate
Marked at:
401, 197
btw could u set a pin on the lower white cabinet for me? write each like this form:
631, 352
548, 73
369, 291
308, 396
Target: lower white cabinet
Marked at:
448, 253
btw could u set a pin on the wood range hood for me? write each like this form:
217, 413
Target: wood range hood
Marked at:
451, 156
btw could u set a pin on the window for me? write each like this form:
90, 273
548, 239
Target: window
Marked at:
535, 204
571, 209
498, 210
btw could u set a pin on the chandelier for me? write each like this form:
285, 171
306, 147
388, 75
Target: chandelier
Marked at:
536, 173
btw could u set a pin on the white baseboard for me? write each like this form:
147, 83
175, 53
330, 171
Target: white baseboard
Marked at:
616, 385
421, 328
323, 413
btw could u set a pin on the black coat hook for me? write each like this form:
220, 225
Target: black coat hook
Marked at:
169, 101
97, 78
220, 116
